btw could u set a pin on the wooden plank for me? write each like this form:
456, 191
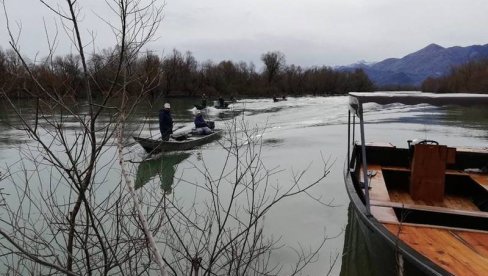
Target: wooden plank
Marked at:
459, 252
403, 169
396, 169
450, 201
378, 190
427, 179
456, 202
481, 179
384, 214
380, 144
472, 150
451, 155
437, 209
478, 241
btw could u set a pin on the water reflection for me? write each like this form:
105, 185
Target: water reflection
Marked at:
355, 256
165, 167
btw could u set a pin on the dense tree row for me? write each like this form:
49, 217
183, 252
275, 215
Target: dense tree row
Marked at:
175, 74
471, 77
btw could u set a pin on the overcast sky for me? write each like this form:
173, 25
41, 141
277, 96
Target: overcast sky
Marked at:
308, 32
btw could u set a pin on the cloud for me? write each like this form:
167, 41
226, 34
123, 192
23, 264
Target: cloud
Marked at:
309, 32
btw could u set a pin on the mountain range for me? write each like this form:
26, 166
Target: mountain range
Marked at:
414, 68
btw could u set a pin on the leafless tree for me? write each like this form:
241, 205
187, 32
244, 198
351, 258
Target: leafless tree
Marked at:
60, 216
274, 63
221, 232
61, 225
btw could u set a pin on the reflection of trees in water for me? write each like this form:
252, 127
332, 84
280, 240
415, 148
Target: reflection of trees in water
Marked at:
165, 167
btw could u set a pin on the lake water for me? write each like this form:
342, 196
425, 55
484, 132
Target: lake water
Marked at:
300, 133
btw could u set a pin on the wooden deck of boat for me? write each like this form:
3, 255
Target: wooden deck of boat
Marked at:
379, 191
459, 251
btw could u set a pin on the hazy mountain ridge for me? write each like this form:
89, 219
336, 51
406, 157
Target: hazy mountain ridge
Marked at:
412, 69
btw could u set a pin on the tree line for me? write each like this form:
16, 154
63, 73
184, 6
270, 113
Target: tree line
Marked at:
174, 74
471, 77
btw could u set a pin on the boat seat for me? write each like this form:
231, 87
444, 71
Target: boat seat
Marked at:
480, 178
436, 209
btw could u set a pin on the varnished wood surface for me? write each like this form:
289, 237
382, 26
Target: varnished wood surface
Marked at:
384, 214
380, 144
457, 251
481, 179
471, 149
450, 201
379, 197
472, 213
378, 190
428, 175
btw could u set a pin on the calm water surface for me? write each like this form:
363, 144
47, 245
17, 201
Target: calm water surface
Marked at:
301, 133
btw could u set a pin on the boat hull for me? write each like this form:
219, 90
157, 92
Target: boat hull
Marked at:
156, 146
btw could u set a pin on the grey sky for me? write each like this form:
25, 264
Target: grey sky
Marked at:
308, 32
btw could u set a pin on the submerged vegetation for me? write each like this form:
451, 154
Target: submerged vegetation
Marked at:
174, 74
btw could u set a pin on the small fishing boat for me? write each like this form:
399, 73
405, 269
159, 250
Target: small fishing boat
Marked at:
221, 104
178, 143
199, 107
422, 209
226, 106
279, 99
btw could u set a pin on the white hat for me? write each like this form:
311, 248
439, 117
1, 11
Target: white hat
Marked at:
166, 105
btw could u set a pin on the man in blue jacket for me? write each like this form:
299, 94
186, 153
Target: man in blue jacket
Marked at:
165, 122
200, 124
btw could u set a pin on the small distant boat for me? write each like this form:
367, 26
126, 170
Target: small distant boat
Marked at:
423, 210
225, 106
278, 99
221, 104
189, 142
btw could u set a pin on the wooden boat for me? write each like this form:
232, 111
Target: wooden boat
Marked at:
423, 209
221, 104
192, 140
225, 106
279, 99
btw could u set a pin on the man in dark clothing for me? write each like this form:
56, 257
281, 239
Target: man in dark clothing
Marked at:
200, 125
204, 100
165, 122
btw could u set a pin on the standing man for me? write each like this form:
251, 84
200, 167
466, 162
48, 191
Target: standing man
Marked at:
204, 100
222, 102
165, 122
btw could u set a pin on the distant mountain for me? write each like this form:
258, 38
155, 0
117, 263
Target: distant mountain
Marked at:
412, 69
